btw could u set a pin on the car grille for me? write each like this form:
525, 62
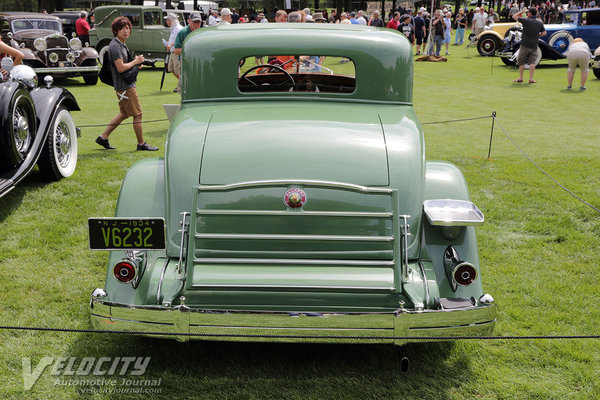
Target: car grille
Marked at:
54, 42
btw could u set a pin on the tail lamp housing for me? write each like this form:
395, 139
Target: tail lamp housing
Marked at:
124, 271
458, 272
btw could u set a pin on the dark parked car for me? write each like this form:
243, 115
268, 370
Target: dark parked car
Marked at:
68, 18
47, 50
36, 127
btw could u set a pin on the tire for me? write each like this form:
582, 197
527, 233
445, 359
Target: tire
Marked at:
90, 79
508, 61
561, 41
596, 72
59, 156
487, 45
538, 58
18, 129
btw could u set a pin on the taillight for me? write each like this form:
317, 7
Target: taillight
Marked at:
464, 274
458, 272
124, 271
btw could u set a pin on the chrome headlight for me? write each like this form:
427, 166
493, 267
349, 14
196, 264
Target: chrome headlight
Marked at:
76, 53
75, 44
53, 57
25, 75
70, 57
40, 44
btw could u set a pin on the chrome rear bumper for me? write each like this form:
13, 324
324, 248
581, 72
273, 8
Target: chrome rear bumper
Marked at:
207, 324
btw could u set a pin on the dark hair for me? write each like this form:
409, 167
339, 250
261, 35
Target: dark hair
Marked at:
119, 23
533, 11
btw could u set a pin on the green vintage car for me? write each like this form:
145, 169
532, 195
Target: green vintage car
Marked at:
296, 200
148, 30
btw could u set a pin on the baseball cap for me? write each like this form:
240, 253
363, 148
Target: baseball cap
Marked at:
195, 17
171, 16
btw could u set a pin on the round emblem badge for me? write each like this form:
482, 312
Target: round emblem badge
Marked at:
294, 198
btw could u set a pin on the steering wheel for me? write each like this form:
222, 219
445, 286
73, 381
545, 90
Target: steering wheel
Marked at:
272, 66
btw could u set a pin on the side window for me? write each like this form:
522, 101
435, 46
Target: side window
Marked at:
153, 18
593, 18
133, 16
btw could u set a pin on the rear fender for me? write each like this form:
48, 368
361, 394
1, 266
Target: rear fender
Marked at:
445, 181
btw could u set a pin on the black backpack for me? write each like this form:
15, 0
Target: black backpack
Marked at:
105, 74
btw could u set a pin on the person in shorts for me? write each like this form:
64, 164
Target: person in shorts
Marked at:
533, 28
174, 65
578, 54
129, 103
420, 31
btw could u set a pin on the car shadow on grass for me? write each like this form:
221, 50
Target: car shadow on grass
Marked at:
13, 199
206, 369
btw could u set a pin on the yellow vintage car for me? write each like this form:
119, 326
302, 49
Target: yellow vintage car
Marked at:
490, 40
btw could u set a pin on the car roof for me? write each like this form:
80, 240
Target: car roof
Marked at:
24, 14
581, 10
382, 58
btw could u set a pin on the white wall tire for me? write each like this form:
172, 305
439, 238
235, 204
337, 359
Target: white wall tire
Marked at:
561, 41
59, 157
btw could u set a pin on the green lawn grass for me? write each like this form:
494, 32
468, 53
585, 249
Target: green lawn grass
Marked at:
538, 250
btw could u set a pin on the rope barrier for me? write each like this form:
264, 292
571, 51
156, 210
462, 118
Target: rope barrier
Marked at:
123, 123
542, 170
241, 335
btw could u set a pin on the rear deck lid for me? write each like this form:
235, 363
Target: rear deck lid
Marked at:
275, 143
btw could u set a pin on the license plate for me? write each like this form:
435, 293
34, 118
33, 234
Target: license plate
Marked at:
126, 233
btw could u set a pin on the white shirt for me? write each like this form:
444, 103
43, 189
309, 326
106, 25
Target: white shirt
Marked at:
361, 20
479, 20
264, 21
212, 20
174, 31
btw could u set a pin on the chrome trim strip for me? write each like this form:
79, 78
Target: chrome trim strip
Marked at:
294, 261
405, 233
279, 182
426, 284
66, 69
183, 231
160, 281
294, 213
260, 236
311, 287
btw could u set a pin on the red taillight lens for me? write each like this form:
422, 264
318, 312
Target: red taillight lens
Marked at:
124, 271
465, 274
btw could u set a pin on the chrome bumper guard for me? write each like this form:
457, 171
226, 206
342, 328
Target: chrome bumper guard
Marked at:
56, 70
507, 54
276, 326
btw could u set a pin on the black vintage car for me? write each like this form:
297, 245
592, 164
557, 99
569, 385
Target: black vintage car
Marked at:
47, 50
36, 127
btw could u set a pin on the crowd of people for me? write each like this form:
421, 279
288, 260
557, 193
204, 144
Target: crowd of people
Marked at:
429, 34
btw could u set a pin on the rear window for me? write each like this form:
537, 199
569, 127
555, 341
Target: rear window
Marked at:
296, 73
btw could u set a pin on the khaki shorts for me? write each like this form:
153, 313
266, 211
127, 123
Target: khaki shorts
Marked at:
129, 103
174, 63
526, 56
579, 58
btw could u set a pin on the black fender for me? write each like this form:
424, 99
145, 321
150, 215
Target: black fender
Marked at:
549, 52
46, 103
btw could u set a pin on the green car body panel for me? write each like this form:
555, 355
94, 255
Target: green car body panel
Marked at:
146, 34
360, 253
